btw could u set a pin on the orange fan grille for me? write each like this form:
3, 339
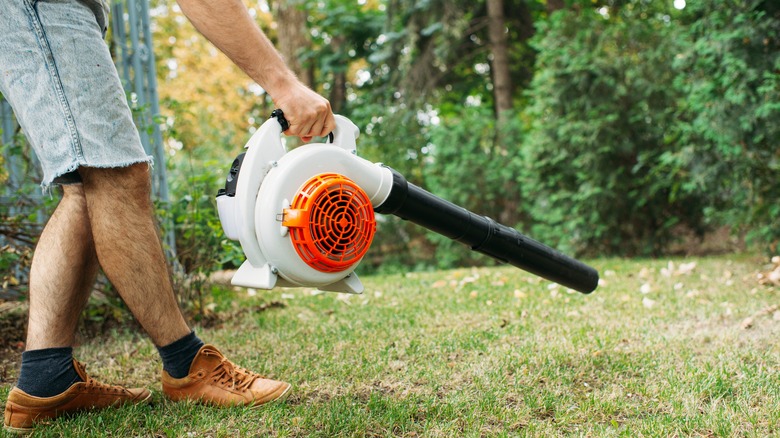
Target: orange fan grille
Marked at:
331, 222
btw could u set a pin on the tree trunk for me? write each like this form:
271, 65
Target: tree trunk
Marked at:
502, 80
555, 5
338, 90
292, 35
502, 95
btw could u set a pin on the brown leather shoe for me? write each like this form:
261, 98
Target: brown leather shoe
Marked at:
22, 410
217, 381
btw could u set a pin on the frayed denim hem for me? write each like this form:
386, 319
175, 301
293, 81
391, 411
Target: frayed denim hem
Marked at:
52, 181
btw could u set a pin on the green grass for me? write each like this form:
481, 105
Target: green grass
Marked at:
481, 352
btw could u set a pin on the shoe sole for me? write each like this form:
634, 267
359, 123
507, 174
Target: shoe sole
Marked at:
280, 398
18, 430
283, 396
29, 430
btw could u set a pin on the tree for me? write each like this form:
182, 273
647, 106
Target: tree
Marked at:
210, 106
292, 36
502, 81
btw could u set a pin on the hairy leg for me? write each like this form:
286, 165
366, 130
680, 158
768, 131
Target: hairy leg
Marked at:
63, 271
129, 249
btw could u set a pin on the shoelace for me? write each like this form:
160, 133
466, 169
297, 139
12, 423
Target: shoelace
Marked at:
96, 385
232, 376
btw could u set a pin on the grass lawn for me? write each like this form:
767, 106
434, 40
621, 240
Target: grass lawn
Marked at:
690, 348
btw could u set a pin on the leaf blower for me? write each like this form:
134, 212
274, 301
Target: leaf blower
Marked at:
305, 217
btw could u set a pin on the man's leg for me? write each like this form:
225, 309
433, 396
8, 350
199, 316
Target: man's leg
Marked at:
61, 277
63, 271
130, 252
129, 249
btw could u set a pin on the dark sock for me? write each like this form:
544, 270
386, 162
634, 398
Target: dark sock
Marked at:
178, 355
47, 372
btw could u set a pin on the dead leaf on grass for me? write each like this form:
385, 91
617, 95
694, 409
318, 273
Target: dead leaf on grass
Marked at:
748, 322
672, 270
770, 277
397, 365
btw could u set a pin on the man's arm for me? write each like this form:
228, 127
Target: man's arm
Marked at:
228, 25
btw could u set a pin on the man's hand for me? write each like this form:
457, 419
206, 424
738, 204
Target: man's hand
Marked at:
227, 24
308, 113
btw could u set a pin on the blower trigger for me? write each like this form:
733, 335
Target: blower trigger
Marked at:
232, 179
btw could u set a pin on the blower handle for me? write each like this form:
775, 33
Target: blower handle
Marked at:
279, 115
485, 235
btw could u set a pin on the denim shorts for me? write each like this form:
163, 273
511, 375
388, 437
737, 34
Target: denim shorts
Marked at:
57, 73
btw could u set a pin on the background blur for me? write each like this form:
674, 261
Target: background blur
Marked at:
620, 128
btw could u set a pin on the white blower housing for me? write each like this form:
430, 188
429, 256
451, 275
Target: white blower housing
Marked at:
303, 217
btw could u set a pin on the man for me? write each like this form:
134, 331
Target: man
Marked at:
57, 74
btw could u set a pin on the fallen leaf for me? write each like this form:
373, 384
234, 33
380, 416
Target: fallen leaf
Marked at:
748, 322
686, 268
397, 365
774, 276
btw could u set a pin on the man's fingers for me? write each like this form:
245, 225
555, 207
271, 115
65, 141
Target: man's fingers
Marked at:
329, 124
318, 128
303, 129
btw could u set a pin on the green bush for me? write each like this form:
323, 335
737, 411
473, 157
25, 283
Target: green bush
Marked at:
200, 242
730, 75
201, 246
604, 124
648, 122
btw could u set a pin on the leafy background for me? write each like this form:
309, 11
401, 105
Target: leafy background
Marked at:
634, 128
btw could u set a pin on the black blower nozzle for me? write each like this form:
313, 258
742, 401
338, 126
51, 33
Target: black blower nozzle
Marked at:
484, 235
